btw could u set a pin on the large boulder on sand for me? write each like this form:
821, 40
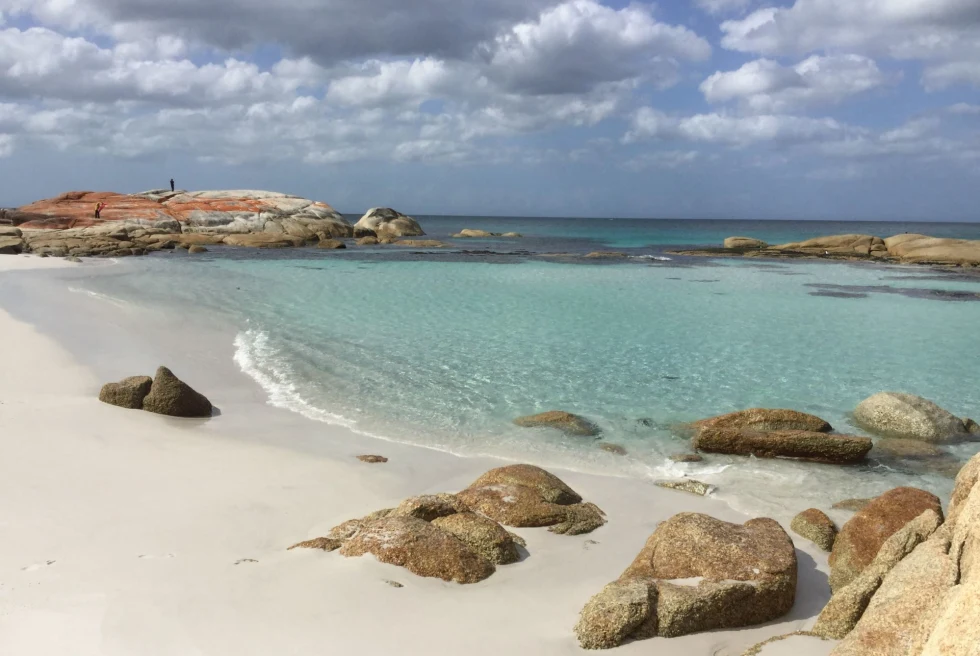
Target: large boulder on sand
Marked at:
803, 445
893, 414
386, 221
695, 573
11, 245
848, 604
171, 396
566, 422
765, 419
815, 526
745, 242
863, 535
127, 393
525, 495
419, 547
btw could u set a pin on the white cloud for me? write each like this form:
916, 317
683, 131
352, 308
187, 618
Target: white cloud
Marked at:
648, 123
945, 33
964, 109
6, 141
717, 7
662, 159
765, 86
581, 43
383, 83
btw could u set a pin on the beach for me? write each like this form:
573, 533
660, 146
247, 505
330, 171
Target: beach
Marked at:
128, 533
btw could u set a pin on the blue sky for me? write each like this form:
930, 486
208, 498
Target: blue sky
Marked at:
804, 109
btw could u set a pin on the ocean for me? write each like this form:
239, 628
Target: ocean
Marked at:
445, 348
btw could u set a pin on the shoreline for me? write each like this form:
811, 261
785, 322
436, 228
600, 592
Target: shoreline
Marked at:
144, 518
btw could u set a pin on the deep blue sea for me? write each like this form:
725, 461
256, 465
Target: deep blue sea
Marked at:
444, 348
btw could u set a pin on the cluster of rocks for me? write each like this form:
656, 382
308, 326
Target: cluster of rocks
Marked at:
907, 248
905, 582
164, 394
460, 537
136, 224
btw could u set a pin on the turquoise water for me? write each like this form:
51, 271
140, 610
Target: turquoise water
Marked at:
446, 350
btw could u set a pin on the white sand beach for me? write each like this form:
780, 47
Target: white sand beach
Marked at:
127, 533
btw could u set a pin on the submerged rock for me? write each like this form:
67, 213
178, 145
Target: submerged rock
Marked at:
566, 422
851, 504
745, 575
127, 393
194, 248
687, 485
686, 457
765, 419
386, 221
331, 244
421, 243
615, 449
815, 526
803, 445
171, 396
863, 535
893, 414
528, 496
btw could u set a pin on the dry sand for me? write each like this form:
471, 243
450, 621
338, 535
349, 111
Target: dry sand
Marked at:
125, 533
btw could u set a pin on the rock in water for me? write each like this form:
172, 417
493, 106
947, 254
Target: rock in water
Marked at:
972, 427
171, 396
864, 534
127, 393
853, 505
892, 414
689, 485
386, 221
469, 233
804, 445
815, 526
527, 496
566, 422
195, 248
848, 604
367, 241
331, 244
420, 547
745, 242
764, 419
747, 576
686, 457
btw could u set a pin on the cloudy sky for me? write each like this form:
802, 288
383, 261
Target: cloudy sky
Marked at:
844, 109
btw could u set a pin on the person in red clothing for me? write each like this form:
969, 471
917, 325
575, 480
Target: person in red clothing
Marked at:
98, 210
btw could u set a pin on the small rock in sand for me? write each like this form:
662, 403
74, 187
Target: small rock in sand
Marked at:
127, 393
171, 396
815, 526
373, 460
394, 584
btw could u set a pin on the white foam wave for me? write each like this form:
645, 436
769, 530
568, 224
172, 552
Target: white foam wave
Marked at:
658, 258
118, 302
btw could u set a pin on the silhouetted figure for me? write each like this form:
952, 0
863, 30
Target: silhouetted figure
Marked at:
171, 185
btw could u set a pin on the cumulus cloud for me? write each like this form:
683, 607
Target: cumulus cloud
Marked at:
765, 86
578, 44
723, 6
943, 33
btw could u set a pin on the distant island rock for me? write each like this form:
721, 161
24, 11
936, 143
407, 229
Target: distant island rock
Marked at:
470, 233
904, 248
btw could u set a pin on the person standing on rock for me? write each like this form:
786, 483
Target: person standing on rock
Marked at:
98, 210
171, 185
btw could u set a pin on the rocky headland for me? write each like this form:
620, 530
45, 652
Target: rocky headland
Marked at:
135, 224
903, 249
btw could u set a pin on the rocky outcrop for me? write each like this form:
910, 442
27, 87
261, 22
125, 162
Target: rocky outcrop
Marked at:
765, 419
331, 244
860, 244
566, 422
234, 211
368, 241
923, 249
470, 233
171, 396
862, 536
815, 526
848, 604
263, 240
745, 242
459, 537
386, 221
127, 393
802, 445
11, 245
893, 414
528, 496
695, 573
972, 427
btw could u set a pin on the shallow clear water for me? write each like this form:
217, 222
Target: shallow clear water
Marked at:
445, 351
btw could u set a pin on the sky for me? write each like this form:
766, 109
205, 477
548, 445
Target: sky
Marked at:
743, 109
